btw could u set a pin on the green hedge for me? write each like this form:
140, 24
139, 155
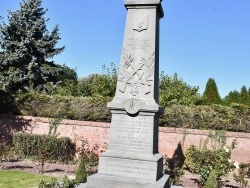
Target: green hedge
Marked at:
53, 149
235, 118
53, 106
218, 117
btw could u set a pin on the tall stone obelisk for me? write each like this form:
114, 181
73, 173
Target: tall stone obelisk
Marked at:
132, 159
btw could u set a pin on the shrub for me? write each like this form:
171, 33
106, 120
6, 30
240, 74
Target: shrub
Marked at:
53, 124
88, 162
218, 117
212, 181
81, 174
243, 172
55, 183
173, 169
6, 151
67, 183
49, 184
48, 147
205, 160
67, 107
231, 118
89, 157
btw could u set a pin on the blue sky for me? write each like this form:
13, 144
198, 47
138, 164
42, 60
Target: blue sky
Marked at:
199, 39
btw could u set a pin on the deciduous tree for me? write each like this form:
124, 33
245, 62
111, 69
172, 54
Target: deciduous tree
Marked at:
99, 84
174, 90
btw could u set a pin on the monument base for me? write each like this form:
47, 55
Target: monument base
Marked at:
147, 167
107, 181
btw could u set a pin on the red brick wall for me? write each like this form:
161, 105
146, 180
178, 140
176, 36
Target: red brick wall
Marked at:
97, 133
170, 137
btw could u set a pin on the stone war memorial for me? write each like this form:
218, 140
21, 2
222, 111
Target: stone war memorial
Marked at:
132, 159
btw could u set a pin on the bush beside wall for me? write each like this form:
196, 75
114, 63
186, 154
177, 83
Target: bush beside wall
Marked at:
217, 117
52, 148
234, 118
54, 106
170, 139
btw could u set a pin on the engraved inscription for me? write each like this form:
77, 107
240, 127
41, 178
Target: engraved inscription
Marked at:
128, 169
139, 43
131, 133
132, 106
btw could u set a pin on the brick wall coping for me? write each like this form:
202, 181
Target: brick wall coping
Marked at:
201, 132
107, 125
64, 121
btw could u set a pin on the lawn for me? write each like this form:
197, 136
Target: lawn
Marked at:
20, 179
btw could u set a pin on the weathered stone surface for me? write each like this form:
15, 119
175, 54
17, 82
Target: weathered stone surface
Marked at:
132, 159
142, 2
84, 185
145, 3
107, 181
133, 134
147, 170
139, 72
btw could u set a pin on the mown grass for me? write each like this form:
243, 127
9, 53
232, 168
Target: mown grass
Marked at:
20, 179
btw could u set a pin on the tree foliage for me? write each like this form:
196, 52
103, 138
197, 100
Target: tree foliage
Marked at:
26, 45
233, 118
244, 98
81, 173
174, 90
67, 82
211, 94
103, 85
213, 156
84, 86
232, 97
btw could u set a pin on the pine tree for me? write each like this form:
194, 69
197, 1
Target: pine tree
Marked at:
26, 45
244, 95
211, 94
232, 97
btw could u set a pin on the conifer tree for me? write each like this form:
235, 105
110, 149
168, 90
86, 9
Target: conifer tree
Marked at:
25, 48
81, 174
211, 94
248, 92
244, 95
232, 97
